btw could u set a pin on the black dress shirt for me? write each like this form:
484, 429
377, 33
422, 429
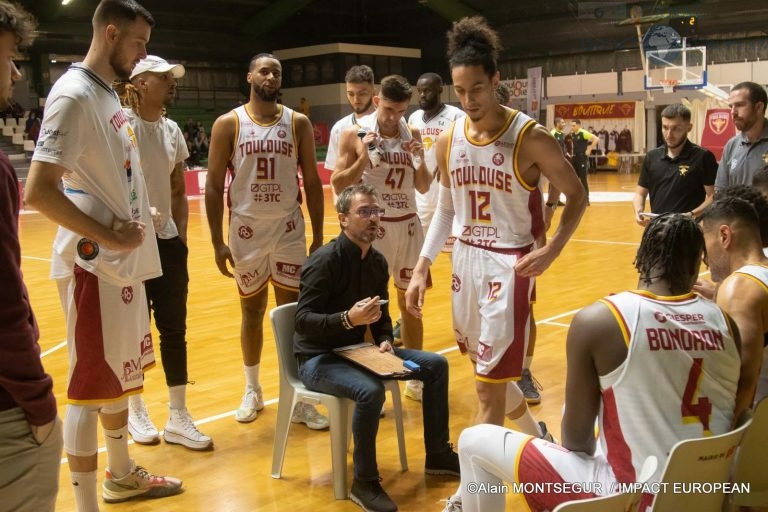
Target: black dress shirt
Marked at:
333, 279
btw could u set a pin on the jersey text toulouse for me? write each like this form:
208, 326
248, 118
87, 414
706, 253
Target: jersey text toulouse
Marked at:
684, 345
494, 207
266, 183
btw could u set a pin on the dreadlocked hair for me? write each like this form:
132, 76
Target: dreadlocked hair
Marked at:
671, 250
129, 95
472, 42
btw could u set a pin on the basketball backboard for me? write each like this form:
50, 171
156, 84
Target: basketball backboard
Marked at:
681, 68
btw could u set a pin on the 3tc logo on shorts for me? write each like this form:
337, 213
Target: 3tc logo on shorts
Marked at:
245, 232
381, 233
127, 294
484, 352
287, 269
455, 284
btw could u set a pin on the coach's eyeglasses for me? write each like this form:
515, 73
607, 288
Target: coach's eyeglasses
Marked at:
368, 212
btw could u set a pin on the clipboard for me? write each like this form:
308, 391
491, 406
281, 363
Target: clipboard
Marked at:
382, 364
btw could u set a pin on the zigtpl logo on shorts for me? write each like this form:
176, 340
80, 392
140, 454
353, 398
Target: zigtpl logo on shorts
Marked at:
455, 284
127, 294
245, 232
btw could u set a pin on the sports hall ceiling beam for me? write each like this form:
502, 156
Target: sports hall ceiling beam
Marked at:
452, 10
272, 17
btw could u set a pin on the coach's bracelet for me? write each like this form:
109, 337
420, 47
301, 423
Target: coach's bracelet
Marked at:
345, 321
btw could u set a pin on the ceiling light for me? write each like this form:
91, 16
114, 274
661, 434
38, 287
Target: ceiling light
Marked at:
65, 2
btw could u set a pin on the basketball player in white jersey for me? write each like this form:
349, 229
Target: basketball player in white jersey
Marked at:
104, 250
264, 143
491, 179
360, 90
163, 151
653, 366
390, 157
737, 262
432, 119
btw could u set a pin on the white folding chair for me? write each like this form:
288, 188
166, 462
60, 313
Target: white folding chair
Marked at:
292, 391
698, 462
749, 468
621, 502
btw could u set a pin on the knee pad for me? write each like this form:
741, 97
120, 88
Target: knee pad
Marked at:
115, 407
80, 430
513, 399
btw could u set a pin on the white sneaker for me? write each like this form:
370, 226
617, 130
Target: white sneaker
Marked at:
414, 390
180, 429
453, 504
141, 428
307, 414
252, 403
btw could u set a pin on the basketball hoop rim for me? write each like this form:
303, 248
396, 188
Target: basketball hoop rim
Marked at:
668, 85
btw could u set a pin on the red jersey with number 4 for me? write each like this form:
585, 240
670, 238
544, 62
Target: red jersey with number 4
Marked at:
494, 207
678, 381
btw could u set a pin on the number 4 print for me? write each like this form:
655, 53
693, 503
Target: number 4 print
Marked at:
701, 410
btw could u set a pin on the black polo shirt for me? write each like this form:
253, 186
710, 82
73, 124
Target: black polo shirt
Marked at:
676, 185
333, 279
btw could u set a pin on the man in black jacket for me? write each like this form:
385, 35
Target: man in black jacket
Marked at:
340, 293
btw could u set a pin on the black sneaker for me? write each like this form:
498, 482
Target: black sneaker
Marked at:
530, 387
443, 463
371, 496
546, 434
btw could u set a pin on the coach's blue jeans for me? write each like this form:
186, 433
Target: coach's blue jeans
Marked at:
334, 375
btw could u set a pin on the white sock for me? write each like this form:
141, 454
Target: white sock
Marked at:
527, 424
84, 489
252, 376
178, 396
134, 401
118, 460
527, 362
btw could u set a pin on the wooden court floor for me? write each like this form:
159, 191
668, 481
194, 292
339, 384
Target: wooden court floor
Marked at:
235, 476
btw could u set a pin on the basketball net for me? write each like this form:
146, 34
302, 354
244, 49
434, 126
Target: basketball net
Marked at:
668, 85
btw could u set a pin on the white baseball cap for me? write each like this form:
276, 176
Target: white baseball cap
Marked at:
155, 64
